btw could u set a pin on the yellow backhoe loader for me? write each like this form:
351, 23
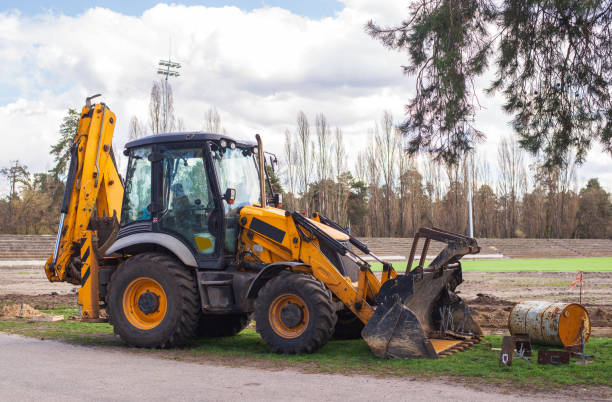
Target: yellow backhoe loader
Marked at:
191, 244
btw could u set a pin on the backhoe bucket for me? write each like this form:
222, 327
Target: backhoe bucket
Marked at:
418, 314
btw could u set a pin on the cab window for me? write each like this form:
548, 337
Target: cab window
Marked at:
137, 196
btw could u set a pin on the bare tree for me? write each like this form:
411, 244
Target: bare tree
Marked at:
136, 129
374, 223
305, 149
511, 183
323, 161
212, 121
341, 193
434, 187
290, 169
361, 163
161, 101
180, 125
387, 145
454, 202
156, 116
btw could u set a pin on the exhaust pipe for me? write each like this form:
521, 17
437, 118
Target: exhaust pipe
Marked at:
262, 171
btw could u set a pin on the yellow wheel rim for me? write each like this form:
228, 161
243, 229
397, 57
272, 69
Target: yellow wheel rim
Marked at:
298, 324
145, 303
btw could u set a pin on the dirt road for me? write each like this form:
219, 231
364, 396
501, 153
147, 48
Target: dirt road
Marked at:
29, 279
45, 370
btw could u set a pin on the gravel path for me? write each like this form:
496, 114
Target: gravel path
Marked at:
37, 370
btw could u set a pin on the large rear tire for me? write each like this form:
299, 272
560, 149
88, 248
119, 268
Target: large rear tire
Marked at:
216, 326
153, 301
294, 313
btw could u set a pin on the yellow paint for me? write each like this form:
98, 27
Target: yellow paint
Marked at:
132, 293
97, 188
293, 248
440, 345
203, 243
277, 324
574, 319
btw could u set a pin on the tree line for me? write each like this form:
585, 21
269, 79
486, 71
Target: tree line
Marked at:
379, 190
389, 193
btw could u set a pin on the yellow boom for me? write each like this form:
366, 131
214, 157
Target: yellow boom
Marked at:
93, 194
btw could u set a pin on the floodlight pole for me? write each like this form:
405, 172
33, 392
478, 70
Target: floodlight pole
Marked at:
166, 103
470, 218
168, 68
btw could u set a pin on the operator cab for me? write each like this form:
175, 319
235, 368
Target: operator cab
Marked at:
183, 192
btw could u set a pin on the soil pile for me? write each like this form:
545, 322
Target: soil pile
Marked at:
41, 302
492, 312
20, 311
601, 316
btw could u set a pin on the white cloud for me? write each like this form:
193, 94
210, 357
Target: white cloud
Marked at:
258, 68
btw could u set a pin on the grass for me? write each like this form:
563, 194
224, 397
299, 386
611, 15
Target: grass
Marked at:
348, 357
586, 264
68, 330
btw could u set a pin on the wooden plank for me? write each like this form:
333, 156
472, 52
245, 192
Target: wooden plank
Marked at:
47, 318
505, 357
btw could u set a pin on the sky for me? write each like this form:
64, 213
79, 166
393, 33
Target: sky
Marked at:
258, 62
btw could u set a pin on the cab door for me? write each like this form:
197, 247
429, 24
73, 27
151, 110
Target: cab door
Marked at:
187, 203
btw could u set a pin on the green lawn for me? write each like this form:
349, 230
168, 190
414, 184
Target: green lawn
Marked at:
348, 357
590, 264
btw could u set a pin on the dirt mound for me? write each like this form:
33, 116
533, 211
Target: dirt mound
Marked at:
601, 316
41, 302
485, 299
20, 311
492, 312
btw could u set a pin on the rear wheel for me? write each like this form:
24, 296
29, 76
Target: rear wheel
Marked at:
294, 313
153, 301
216, 326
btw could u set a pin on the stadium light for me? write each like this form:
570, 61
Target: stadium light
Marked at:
170, 70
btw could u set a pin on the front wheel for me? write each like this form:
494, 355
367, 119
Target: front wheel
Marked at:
153, 301
294, 313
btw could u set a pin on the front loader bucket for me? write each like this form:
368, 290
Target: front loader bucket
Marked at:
418, 314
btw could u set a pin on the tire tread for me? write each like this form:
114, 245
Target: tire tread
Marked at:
189, 298
323, 313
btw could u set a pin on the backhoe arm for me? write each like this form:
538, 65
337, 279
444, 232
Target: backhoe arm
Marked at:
90, 207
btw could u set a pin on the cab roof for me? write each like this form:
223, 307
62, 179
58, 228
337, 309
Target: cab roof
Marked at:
193, 136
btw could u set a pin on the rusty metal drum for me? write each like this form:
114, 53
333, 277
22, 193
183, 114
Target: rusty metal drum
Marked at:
555, 324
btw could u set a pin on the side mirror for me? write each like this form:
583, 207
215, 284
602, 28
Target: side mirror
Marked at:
230, 195
278, 200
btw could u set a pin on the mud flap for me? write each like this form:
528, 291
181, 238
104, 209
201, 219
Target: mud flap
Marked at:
395, 331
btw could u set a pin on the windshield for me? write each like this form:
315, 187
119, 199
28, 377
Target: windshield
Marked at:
237, 169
